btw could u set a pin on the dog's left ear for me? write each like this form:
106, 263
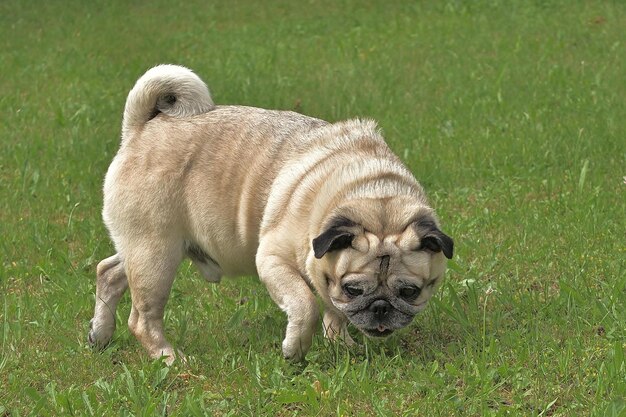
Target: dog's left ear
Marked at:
433, 239
335, 237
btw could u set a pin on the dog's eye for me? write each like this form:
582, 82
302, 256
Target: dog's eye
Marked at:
352, 291
409, 292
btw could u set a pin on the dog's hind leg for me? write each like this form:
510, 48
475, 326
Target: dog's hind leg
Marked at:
151, 269
110, 286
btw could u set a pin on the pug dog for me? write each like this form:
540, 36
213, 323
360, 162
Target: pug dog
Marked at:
310, 207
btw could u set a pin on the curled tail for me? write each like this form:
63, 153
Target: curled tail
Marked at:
170, 89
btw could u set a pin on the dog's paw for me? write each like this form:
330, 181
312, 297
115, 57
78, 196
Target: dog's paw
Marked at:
336, 329
347, 339
99, 336
295, 349
292, 354
170, 356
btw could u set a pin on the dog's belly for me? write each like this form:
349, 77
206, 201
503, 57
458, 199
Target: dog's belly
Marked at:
226, 232
230, 257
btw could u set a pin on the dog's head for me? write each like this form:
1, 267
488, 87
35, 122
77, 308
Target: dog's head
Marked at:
382, 261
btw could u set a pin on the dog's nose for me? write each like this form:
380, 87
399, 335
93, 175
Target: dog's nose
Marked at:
380, 308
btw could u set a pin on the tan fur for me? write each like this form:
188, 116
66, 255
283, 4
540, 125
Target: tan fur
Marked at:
245, 191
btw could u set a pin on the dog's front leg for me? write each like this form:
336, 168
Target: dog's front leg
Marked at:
335, 326
290, 291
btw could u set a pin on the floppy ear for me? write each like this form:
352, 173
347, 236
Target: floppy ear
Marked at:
333, 238
434, 239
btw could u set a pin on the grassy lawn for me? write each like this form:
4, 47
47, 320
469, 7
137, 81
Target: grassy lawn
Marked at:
512, 114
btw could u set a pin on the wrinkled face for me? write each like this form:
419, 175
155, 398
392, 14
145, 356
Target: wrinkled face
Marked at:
380, 282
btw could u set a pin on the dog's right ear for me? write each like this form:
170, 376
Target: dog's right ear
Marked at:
335, 237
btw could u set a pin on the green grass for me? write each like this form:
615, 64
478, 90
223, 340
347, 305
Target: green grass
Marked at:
512, 114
